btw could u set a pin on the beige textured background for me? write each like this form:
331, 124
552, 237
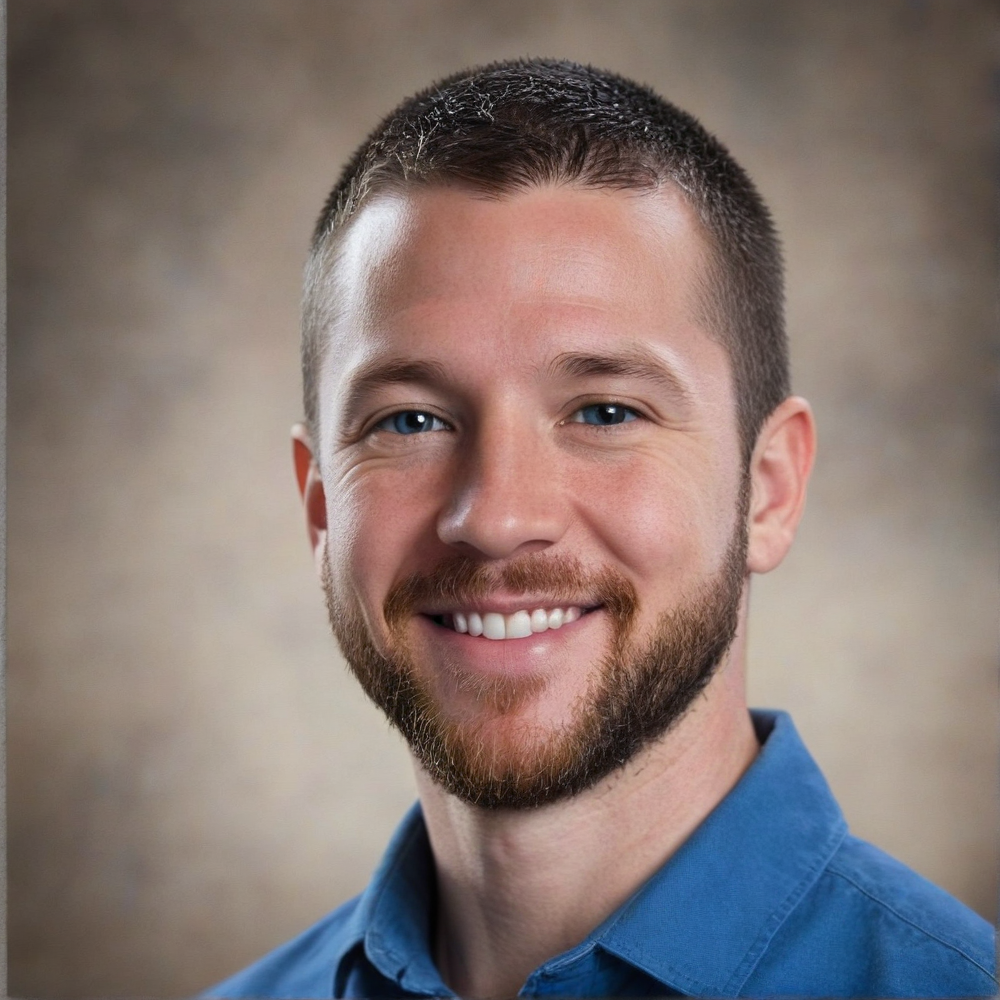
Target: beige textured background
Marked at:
192, 776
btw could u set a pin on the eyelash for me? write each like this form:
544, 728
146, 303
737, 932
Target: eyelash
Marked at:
632, 415
402, 413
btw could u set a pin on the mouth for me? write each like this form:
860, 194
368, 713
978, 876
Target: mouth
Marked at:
520, 624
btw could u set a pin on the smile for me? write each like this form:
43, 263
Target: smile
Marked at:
518, 625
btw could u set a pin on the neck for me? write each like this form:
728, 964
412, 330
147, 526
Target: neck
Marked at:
516, 888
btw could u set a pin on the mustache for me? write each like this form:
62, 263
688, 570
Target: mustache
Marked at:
461, 580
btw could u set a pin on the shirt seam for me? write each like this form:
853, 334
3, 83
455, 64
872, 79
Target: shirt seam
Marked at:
571, 958
906, 920
778, 917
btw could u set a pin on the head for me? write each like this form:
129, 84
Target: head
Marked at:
545, 381
512, 126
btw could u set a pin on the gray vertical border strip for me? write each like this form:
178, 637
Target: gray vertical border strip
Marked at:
3, 499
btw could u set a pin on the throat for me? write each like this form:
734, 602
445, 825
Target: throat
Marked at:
517, 888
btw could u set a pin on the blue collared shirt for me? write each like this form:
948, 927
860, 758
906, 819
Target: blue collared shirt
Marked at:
770, 896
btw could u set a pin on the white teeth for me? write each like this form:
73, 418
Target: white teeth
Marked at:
493, 626
519, 625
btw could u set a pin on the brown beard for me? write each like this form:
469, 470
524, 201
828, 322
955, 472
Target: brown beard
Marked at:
637, 695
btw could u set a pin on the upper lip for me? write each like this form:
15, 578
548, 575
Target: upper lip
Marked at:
506, 605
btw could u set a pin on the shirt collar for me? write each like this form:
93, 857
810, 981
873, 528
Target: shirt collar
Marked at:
698, 925
702, 922
393, 914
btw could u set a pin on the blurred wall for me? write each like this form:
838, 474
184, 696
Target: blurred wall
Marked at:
193, 778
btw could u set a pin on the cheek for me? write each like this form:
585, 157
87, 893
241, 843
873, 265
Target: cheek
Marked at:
345, 530
666, 524
375, 521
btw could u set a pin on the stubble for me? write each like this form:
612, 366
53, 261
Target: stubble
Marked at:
639, 691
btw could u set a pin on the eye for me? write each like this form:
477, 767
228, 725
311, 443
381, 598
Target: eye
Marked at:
410, 422
604, 414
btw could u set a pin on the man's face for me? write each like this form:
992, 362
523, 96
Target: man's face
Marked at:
521, 411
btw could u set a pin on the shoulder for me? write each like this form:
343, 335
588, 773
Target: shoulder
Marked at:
301, 967
881, 929
906, 898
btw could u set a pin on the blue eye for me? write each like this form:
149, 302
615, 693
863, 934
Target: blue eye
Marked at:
604, 414
410, 422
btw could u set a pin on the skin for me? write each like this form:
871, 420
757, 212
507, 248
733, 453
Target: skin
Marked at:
496, 291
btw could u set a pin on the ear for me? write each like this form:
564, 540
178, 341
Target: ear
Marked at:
779, 472
310, 489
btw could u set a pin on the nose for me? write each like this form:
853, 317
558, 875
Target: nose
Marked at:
506, 499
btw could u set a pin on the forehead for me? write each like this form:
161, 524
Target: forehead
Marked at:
607, 248
496, 288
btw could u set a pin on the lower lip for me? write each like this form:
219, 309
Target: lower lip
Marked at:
510, 656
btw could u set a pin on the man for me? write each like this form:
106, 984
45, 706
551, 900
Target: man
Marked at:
548, 437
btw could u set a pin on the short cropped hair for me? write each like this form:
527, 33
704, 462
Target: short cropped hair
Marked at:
508, 126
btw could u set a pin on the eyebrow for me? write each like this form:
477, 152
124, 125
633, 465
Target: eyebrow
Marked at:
380, 373
630, 362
